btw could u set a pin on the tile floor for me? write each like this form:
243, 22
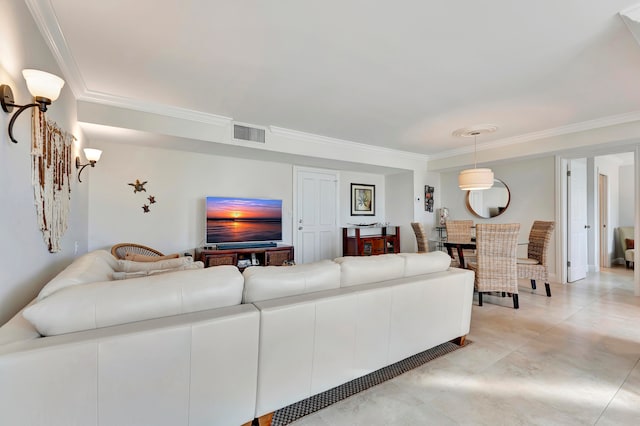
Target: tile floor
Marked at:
572, 359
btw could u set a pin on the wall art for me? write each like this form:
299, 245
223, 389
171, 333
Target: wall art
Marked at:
428, 198
363, 200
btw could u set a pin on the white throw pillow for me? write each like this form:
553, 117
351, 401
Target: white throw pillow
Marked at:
127, 275
102, 304
131, 266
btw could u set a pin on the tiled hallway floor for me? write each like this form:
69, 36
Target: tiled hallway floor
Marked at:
572, 359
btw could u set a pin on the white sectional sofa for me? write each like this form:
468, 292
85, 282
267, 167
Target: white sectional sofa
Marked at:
169, 349
183, 348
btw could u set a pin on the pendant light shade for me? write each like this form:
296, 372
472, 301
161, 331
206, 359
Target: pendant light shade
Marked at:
476, 178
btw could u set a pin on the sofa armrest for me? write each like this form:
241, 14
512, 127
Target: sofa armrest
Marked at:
18, 329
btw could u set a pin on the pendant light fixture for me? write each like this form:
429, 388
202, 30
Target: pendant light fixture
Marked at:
476, 178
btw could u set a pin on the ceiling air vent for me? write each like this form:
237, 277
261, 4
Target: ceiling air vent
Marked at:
246, 133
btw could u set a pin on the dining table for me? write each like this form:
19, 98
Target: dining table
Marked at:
461, 245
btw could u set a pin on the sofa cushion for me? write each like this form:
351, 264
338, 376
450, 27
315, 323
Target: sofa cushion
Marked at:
356, 270
132, 266
425, 263
106, 303
94, 266
270, 282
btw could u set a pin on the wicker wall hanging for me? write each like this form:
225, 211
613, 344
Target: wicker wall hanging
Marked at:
51, 177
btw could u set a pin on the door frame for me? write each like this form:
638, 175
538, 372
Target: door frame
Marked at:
604, 260
561, 202
294, 215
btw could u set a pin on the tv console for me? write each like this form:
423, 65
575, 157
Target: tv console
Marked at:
246, 256
232, 246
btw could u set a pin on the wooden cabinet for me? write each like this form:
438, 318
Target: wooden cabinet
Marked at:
356, 244
264, 256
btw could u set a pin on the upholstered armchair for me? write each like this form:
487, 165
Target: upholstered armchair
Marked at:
535, 267
627, 244
461, 231
495, 268
421, 237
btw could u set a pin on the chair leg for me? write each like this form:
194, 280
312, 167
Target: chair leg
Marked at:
479, 298
548, 288
628, 264
533, 284
516, 305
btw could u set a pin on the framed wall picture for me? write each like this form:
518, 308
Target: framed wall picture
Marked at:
428, 198
363, 199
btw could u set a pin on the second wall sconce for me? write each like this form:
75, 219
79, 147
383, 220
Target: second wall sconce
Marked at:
93, 155
44, 87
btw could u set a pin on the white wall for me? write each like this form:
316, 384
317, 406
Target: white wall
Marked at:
25, 262
180, 181
346, 179
532, 187
399, 193
606, 166
626, 200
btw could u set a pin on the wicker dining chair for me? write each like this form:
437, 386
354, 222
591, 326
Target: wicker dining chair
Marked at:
460, 231
119, 251
535, 266
421, 237
496, 269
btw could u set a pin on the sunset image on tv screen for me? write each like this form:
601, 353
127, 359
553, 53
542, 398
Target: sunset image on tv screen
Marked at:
243, 220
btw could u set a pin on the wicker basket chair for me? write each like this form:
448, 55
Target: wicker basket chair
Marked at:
460, 231
496, 268
119, 251
535, 266
421, 237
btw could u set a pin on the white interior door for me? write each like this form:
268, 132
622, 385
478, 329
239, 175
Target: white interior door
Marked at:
316, 215
577, 219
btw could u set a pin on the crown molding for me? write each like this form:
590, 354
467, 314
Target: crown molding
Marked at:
153, 108
544, 134
46, 20
334, 142
631, 18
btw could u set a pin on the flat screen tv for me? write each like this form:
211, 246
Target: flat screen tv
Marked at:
243, 220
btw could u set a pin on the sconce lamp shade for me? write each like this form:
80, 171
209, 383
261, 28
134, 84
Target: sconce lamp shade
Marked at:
92, 154
43, 84
474, 179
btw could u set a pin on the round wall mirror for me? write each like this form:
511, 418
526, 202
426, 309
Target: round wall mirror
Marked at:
488, 203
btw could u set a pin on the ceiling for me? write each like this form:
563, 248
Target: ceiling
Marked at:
401, 75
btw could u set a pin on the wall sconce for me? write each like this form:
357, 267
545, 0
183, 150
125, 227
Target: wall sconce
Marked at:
93, 155
44, 87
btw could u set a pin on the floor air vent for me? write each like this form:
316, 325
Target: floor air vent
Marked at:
246, 133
